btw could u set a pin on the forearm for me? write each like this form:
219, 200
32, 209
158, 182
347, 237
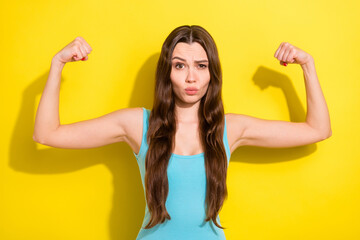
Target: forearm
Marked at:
47, 115
317, 111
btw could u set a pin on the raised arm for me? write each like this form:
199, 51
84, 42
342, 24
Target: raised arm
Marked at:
121, 125
252, 131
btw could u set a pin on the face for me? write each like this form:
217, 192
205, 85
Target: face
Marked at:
190, 74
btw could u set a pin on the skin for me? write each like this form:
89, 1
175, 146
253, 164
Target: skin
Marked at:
186, 72
252, 131
189, 73
125, 125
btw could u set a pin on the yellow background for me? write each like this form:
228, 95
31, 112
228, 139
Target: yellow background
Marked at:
307, 192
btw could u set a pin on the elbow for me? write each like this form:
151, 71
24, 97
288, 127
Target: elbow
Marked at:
330, 133
35, 139
326, 135
38, 140
43, 137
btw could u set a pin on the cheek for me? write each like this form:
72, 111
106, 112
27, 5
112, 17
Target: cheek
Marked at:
206, 87
174, 84
177, 75
207, 80
205, 76
176, 79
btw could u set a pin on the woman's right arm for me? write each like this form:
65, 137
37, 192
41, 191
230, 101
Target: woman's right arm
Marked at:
117, 126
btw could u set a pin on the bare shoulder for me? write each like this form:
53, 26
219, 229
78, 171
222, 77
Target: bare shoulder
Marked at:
235, 125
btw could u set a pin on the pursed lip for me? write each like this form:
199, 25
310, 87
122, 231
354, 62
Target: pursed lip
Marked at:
191, 89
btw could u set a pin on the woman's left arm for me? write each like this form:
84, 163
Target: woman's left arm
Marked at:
317, 115
252, 131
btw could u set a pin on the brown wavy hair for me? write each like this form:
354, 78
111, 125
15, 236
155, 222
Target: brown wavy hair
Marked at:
162, 128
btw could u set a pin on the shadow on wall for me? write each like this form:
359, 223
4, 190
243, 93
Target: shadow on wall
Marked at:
128, 199
128, 203
264, 78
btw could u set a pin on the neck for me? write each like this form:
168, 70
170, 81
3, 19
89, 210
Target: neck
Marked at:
187, 113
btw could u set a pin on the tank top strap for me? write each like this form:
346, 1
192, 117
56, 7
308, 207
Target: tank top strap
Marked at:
144, 145
226, 142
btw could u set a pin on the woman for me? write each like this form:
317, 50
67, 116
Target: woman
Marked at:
186, 140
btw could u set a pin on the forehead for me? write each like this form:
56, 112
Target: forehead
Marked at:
193, 51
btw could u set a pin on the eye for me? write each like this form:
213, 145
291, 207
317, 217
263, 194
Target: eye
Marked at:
202, 66
179, 64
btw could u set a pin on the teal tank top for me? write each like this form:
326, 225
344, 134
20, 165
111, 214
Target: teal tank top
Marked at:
185, 202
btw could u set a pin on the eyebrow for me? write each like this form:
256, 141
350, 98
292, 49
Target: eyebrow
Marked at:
198, 61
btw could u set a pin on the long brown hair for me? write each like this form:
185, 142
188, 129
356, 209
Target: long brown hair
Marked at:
162, 128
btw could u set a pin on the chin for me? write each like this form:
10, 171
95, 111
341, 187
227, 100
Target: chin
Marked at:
187, 100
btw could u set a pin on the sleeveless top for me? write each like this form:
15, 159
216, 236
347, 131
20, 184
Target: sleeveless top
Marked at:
185, 202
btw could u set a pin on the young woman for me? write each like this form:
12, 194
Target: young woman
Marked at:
183, 144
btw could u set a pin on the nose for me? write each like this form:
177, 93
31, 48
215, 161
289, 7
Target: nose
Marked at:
191, 75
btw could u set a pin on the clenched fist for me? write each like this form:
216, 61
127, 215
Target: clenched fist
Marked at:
287, 53
74, 51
